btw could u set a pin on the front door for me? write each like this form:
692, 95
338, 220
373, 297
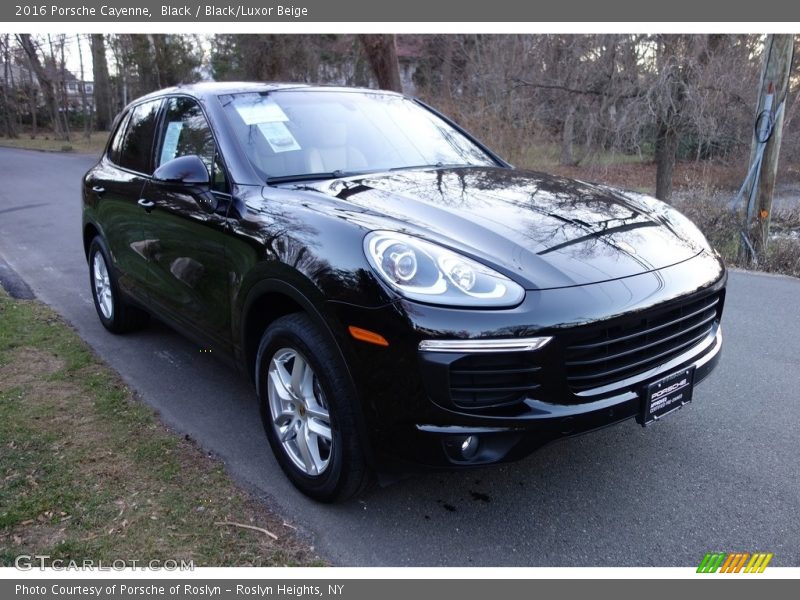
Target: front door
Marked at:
185, 233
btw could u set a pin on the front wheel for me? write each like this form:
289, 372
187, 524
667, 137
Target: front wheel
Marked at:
307, 403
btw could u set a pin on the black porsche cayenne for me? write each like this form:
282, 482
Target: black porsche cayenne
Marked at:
398, 293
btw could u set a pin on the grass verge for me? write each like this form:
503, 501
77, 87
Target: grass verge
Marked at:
47, 142
87, 472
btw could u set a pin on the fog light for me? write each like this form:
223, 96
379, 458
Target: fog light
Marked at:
469, 447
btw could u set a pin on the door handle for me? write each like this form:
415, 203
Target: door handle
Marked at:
146, 204
99, 190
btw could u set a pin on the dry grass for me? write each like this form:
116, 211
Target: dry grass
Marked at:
721, 227
525, 146
47, 142
696, 177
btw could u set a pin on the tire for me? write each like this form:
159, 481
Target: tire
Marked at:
298, 411
114, 313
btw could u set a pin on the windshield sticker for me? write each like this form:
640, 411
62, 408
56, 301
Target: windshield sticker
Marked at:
264, 111
278, 136
171, 137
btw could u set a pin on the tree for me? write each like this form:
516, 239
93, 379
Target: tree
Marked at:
8, 90
669, 98
681, 97
33, 99
102, 87
381, 52
46, 83
270, 57
87, 110
177, 58
160, 60
143, 60
62, 77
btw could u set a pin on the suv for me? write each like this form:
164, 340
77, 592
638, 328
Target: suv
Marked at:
399, 295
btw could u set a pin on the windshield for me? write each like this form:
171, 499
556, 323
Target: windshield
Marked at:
301, 134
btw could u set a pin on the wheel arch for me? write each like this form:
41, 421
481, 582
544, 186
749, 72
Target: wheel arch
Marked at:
90, 231
271, 299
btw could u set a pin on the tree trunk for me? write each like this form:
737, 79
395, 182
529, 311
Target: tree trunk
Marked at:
144, 61
45, 82
65, 95
669, 119
565, 71
382, 55
102, 86
9, 92
33, 98
122, 59
567, 138
157, 44
666, 152
447, 70
14, 92
87, 112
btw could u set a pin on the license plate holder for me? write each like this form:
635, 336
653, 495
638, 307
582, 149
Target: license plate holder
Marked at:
666, 395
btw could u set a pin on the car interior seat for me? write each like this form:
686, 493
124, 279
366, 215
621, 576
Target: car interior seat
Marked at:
332, 152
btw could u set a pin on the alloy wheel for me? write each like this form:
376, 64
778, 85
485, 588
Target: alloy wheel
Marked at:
102, 285
299, 411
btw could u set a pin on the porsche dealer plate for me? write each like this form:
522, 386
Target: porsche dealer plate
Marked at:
667, 394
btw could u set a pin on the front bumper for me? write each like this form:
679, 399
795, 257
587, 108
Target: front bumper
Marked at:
411, 420
436, 445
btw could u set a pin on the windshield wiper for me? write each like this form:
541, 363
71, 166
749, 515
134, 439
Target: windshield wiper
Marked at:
312, 176
439, 165
339, 173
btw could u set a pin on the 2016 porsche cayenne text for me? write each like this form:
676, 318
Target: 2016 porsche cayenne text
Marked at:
397, 292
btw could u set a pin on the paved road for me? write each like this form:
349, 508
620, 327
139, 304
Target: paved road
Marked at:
722, 474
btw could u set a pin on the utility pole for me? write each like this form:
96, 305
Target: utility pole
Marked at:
773, 87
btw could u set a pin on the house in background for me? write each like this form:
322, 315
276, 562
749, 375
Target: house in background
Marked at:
19, 79
72, 86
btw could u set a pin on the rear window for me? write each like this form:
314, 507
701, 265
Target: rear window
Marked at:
134, 150
116, 142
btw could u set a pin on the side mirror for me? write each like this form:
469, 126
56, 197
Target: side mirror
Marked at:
184, 170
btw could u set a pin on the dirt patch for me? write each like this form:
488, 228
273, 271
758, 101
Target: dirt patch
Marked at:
28, 366
33, 534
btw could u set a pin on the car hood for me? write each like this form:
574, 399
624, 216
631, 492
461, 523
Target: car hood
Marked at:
543, 231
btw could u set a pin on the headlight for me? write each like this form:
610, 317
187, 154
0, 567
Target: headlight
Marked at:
426, 272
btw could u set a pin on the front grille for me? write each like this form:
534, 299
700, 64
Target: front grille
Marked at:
496, 379
623, 350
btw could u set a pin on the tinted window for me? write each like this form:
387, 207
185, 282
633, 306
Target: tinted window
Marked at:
116, 143
138, 141
186, 132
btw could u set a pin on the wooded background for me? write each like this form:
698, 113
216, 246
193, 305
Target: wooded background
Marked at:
658, 113
656, 97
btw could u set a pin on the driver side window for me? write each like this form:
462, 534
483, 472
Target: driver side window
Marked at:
186, 132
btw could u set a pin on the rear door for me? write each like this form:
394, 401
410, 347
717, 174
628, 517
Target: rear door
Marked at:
117, 183
188, 279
